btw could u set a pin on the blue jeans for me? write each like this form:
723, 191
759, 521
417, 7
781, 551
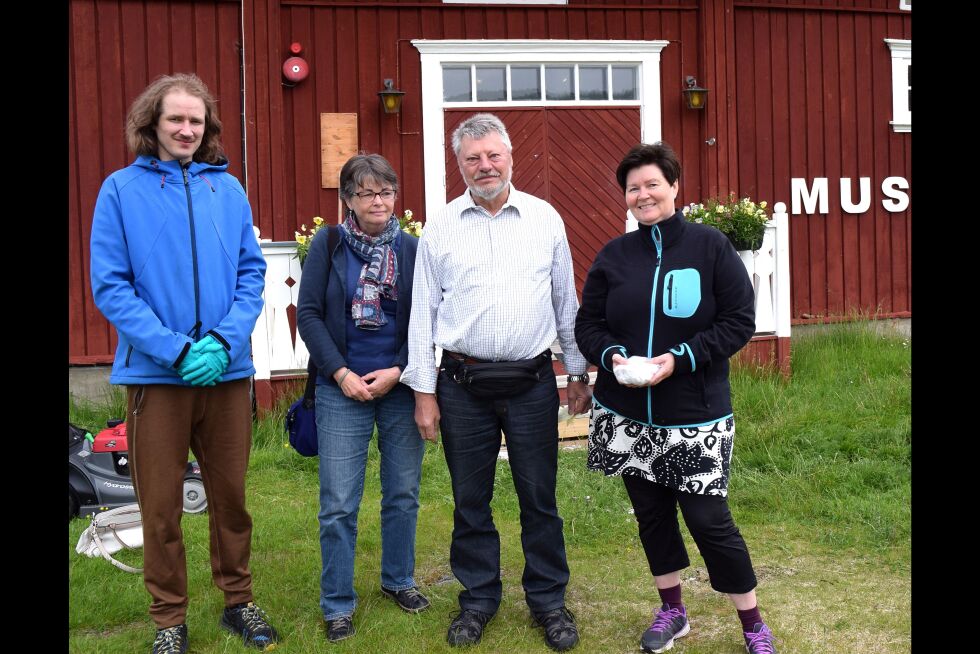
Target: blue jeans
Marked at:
344, 427
471, 439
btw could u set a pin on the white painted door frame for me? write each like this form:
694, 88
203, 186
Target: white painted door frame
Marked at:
435, 53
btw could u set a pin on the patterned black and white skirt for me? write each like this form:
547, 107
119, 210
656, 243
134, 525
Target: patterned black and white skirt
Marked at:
692, 459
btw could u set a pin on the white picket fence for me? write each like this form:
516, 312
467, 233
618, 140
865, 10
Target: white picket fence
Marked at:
278, 350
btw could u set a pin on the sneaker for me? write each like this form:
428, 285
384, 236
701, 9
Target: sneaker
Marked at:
409, 599
467, 627
668, 624
760, 640
340, 628
560, 631
251, 623
172, 640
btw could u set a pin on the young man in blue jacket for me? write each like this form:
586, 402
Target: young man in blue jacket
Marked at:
177, 269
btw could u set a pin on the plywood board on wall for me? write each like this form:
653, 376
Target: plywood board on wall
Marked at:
338, 143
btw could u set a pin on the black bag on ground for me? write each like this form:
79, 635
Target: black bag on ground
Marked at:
500, 379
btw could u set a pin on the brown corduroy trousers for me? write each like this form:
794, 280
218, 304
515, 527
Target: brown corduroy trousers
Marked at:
215, 423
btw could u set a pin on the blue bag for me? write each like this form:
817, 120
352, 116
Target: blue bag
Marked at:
301, 416
301, 420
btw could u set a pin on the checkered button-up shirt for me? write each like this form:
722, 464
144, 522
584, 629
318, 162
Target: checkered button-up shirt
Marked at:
498, 287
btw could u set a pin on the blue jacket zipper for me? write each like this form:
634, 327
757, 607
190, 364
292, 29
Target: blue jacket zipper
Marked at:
196, 335
658, 243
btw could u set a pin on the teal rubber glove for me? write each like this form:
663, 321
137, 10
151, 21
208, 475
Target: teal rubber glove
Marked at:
209, 360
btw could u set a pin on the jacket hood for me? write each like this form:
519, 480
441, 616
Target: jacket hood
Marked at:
172, 167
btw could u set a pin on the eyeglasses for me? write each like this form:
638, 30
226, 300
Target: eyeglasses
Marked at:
368, 196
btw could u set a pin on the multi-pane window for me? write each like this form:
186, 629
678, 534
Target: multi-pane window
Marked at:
540, 83
901, 52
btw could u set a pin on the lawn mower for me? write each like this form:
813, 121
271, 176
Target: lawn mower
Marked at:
98, 473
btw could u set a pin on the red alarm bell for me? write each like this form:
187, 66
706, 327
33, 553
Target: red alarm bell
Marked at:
295, 69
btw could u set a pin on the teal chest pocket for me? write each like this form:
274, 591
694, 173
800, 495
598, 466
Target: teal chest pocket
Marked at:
682, 293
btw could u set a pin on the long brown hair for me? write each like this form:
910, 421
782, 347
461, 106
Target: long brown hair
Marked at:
141, 121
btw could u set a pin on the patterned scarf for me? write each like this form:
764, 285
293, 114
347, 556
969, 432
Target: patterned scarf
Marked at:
378, 274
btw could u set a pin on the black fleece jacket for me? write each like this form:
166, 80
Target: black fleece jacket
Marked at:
703, 312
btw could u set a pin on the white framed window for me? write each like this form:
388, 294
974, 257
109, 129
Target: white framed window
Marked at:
520, 72
905, 4
533, 84
901, 51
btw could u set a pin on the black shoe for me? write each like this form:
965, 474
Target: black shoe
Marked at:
250, 623
467, 627
409, 599
172, 640
340, 628
560, 631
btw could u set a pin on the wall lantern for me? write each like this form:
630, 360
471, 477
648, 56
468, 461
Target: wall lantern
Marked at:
696, 96
391, 98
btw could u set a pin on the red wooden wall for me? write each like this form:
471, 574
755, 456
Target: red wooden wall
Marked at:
813, 99
116, 48
798, 88
353, 46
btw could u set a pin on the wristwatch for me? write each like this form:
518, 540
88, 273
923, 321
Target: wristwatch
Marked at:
584, 377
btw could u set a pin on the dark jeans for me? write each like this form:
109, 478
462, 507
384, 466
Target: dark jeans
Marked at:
711, 525
471, 440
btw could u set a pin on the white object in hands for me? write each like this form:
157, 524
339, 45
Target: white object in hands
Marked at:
636, 371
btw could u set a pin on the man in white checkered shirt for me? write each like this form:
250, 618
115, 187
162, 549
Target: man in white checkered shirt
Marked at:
494, 282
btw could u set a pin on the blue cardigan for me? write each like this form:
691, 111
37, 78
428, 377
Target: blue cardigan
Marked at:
322, 307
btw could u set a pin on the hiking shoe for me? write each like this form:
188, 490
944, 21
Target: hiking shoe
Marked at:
668, 624
760, 640
251, 623
172, 640
340, 628
560, 631
467, 627
409, 599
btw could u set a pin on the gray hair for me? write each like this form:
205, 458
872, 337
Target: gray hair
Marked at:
478, 126
365, 166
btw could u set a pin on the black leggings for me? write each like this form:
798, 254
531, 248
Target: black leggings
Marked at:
710, 522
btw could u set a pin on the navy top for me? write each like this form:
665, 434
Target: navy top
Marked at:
368, 349
323, 308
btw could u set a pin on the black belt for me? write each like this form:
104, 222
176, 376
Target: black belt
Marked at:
464, 358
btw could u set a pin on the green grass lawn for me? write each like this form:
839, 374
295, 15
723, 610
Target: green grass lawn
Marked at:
820, 489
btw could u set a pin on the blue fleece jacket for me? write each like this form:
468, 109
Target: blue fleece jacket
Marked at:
173, 258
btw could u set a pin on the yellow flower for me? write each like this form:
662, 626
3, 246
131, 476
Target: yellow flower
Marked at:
300, 238
763, 204
317, 220
408, 214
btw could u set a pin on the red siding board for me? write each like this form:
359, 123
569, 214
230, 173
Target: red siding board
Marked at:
831, 137
850, 158
794, 102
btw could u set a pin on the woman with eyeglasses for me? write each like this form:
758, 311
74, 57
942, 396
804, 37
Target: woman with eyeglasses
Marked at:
355, 299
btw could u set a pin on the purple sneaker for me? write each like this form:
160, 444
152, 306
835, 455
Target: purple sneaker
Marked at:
668, 624
760, 640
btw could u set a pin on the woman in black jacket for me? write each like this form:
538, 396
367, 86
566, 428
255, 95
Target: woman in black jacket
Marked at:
663, 309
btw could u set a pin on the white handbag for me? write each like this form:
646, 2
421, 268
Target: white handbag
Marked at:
112, 531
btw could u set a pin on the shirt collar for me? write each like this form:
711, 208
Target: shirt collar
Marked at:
515, 199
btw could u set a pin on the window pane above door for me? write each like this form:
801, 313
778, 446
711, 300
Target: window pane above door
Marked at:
456, 86
559, 82
491, 83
